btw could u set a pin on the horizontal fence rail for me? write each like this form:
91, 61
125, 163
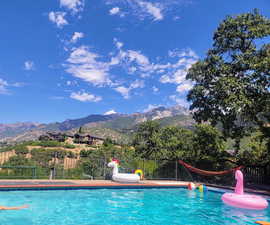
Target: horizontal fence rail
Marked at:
152, 170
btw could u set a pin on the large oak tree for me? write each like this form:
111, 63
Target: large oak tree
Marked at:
231, 84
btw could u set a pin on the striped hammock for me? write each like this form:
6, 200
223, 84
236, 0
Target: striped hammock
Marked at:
208, 173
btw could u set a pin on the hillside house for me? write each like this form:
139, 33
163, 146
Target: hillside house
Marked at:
53, 136
77, 138
82, 138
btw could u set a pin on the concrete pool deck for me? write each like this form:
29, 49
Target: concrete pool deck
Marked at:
77, 184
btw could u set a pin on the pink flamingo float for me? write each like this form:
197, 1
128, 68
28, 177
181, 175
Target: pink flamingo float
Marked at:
240, 200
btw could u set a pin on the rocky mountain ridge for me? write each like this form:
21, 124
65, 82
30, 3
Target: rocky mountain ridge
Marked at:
102, 125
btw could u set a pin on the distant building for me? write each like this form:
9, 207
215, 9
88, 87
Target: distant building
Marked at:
53, 136
82, 138
78, 138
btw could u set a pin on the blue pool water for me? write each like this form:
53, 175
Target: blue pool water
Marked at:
123, 207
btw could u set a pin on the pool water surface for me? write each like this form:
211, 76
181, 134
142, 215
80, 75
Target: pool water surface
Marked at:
123, 207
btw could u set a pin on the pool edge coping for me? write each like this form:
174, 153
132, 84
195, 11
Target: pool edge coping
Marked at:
115, 185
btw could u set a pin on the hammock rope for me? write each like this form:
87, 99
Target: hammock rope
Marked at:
208, 173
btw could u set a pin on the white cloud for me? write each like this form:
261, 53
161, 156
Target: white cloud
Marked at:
74, 5
76, 36
183, 53
153, 9
137, 84
176, 73
91, 67
18, 84
117, 43
110, 112
3, 86
137, 57
180, 101
125, 91
87, 65
176, 77
186, 86
132, 69
29, 65
58, 18
71, 83
131, 60
84, 64
137, 63
155, 89
85, 97
114, 11
150, 107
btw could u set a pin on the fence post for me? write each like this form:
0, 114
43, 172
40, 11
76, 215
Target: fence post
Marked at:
33, 173
176, 167
104, 169
144, 168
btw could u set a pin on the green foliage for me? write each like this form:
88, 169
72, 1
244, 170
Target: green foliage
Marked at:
146, 141
19, 161
175, 142
21, 149
32, 143
44, 156
204, 145
74, 173
13, 169
108, 142
94, 162
69, 146
208, 149
148, 166
115, 134
71, 155
41, 156
80, 131
6, 149
255, 151
92, 167
50, 144
84, 153
207, 142
232, 82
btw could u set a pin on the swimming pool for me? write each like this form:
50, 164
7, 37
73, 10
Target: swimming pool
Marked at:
175, 206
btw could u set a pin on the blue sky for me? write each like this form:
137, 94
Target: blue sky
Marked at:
64, 59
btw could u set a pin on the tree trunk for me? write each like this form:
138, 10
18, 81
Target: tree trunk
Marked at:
237, 145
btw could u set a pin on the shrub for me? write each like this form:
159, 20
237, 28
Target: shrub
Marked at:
21, 150
32, 143
84, 153
69, 146
50, 144
71, 155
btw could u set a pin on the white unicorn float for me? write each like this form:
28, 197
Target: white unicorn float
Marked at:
122, 177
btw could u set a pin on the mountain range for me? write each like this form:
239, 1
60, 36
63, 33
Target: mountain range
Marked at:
116, 126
